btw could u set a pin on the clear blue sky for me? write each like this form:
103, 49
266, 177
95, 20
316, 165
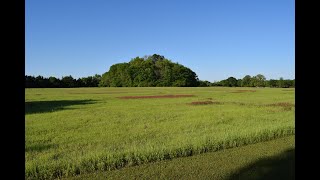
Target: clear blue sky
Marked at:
215, 38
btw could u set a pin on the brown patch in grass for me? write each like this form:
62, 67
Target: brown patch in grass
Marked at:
209, 98
243, 90
282, 104
238, 103
107, 92
159, 96
203, 103
286, 106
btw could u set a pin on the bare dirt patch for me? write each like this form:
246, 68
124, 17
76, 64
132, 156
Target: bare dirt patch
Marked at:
159, 96
282, 104
242, 91
239, 103
203, 103
108, 92
286, 106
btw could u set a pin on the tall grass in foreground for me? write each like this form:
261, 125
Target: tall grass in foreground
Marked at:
117, 160
264, 160
73, 136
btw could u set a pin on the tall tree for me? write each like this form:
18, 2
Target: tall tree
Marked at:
273, 83
232, 82
54, 82
260, 80
280, 82
68, 82
246, 81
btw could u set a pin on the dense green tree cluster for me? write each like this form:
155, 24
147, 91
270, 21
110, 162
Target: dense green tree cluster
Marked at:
64, 82
149, 71
255, 81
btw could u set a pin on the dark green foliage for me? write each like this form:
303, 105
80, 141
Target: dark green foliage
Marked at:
65, 82
90, 81
255, 81
54, 82
258, 81
216, 83
280, 82
149, 71
246, 81
232, 82
284, 83
43, 82
68, 82
272, 83
239, 82
30, 81
204, 83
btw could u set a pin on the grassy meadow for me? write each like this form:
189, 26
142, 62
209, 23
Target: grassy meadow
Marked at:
78, 131
266, 160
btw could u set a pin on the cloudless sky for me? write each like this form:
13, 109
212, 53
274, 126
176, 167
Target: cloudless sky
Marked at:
215, 38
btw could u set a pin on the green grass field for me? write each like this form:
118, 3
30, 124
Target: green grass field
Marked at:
84, 130
267, 160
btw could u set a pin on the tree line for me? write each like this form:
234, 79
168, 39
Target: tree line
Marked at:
151, 71
64, 82
254, 81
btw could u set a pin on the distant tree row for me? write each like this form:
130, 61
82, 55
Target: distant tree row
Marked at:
149, 71
64, 82
254, 81
95, 81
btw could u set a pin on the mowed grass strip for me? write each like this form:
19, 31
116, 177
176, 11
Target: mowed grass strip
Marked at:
265, 160
83, 132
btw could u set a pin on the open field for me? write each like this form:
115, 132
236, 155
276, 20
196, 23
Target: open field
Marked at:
267, 160
84, 130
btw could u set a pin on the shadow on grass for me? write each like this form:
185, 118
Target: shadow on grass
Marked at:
51, 106
277, 167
